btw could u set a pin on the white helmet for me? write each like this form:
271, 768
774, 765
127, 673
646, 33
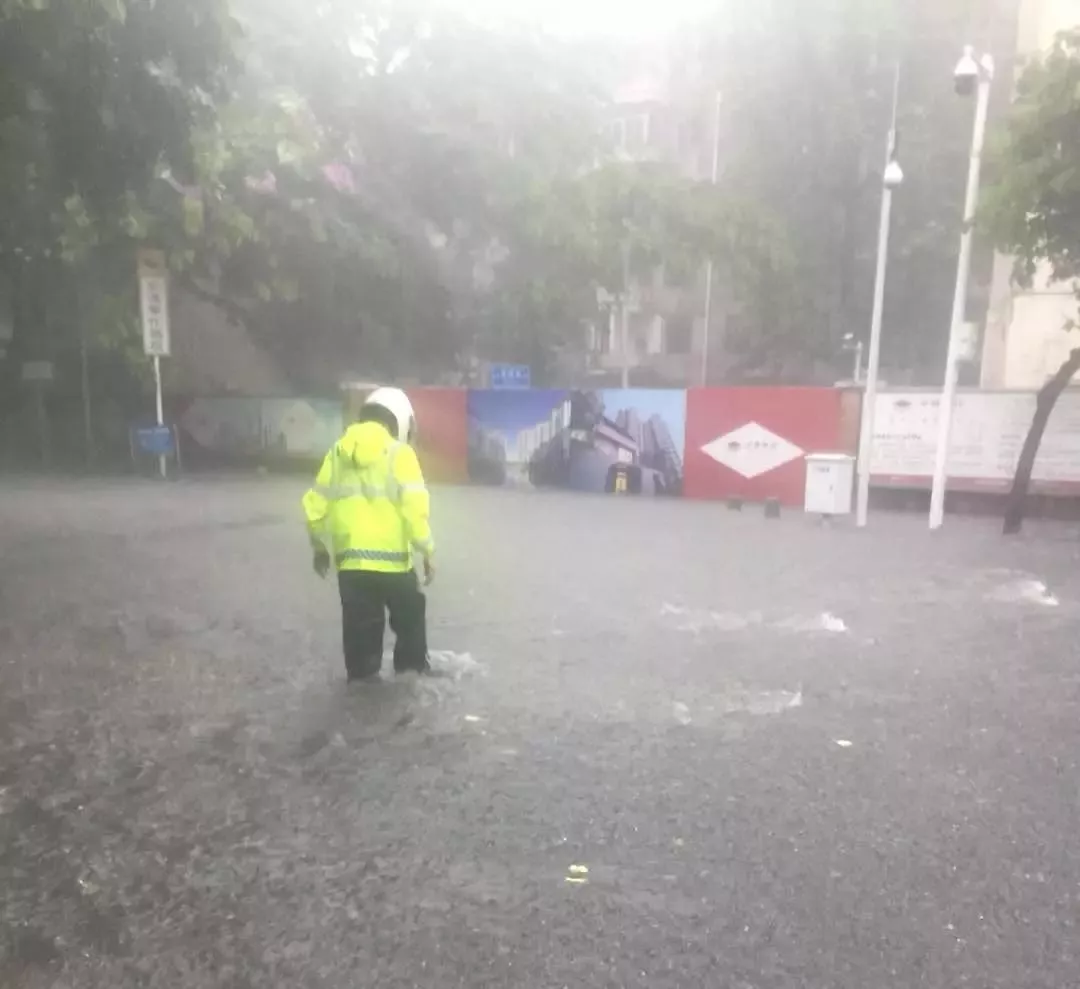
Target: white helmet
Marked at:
397, 403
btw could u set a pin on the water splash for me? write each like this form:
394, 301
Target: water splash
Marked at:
1025, 591
769, 702
830, 623
454, 665
687, 620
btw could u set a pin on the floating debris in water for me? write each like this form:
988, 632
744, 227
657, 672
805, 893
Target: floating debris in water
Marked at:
578, 874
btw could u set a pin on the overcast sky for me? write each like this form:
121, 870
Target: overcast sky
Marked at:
631, 19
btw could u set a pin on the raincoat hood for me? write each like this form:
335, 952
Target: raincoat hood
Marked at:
366, 443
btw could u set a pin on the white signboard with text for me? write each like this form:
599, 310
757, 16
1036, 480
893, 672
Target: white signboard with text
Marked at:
988, 433
154, 303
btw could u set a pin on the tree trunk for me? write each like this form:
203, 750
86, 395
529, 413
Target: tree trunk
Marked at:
1044, 406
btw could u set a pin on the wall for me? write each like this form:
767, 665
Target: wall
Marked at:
443, 443
227, 430
1026, 340
1045, 18
711, 443
705, 443
224, 430
750, 443
989, 429
584, 440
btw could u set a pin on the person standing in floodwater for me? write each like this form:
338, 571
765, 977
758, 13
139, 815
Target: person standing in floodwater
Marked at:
368, 516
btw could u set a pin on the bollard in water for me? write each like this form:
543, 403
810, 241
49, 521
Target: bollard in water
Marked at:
772, 508
734, 504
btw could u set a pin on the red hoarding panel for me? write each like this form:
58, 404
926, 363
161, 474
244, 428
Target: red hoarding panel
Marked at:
443, 422
751, 443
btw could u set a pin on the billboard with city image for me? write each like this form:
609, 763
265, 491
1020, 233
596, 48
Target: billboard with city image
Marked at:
610, 440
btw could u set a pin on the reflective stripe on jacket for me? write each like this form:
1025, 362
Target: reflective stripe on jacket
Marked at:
370, 506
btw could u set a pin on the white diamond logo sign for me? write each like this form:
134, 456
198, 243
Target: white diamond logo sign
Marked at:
752, 450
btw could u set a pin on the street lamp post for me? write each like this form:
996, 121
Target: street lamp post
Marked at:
854, 346
970, 75
709, 268
891, 179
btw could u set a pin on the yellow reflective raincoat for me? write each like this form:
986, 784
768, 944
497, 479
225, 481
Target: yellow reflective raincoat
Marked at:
370, 507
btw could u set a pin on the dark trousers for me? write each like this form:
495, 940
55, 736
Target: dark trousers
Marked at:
366, 597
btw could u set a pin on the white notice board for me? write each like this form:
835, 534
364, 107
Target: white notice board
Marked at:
989, 429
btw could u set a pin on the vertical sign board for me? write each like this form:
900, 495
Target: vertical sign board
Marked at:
154, 305
154, 302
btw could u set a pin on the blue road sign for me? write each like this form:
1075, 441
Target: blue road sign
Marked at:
510, 376
156, 441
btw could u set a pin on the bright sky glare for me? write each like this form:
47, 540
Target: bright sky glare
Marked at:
629, 19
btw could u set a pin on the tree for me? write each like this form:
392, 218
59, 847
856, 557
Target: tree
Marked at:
444, 137
372, 185
471, 155
96, 98
338, 170
806, 90
583, 239
1032, 211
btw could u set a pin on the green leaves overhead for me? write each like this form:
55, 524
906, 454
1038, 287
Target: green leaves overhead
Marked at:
807, 90
650, 215
370, 183
94, 97
1032, 205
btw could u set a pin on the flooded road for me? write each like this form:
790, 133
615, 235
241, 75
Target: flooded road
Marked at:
676, 746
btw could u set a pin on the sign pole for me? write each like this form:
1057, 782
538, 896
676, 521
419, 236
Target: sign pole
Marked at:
154, 303
162, 467
43, 426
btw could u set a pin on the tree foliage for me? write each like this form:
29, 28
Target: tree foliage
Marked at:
1032, 205
466, 218
807, 93
378, 186
580, 238
1032, 211
413, 152
94, 98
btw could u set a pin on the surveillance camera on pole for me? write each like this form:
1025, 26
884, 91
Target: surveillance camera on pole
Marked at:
966, 74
